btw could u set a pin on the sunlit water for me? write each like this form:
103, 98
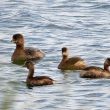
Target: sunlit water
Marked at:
81, 25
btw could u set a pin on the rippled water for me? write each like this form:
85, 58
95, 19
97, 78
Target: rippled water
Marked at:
81, 25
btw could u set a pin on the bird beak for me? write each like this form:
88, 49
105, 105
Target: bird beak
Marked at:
109, 68
13, 41
24, 64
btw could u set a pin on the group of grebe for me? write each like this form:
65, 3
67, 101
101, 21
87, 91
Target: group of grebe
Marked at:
26, 56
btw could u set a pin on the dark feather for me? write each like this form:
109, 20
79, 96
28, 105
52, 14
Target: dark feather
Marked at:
74, 60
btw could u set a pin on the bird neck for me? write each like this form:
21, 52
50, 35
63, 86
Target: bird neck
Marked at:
31, 73
20, 46
65, 57
106, 67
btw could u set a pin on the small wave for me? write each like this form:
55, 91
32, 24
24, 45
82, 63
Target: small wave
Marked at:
54, 26
65, 6
101, 6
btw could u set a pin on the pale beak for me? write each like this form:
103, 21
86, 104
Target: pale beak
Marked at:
13, 41
24, 65
109, 68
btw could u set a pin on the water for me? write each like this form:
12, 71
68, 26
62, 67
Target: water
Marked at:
81, 25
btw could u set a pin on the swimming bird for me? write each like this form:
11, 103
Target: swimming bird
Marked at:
21, 54
37, 80
73, 63
96, 72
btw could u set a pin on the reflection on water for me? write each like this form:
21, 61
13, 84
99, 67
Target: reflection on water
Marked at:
82, 26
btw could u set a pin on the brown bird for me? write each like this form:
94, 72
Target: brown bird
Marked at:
96, 72
73, 63
21, 54
38, 80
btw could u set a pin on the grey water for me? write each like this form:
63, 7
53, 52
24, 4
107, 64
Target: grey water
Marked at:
81, 25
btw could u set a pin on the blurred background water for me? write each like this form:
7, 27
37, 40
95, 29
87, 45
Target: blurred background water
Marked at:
81, 25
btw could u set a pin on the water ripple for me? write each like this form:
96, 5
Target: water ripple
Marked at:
82, 26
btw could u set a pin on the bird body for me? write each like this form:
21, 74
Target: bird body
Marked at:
21, 53
73, 63
37, 80
96, 72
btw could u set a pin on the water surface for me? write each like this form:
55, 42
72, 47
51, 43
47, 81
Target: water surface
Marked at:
81, 25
